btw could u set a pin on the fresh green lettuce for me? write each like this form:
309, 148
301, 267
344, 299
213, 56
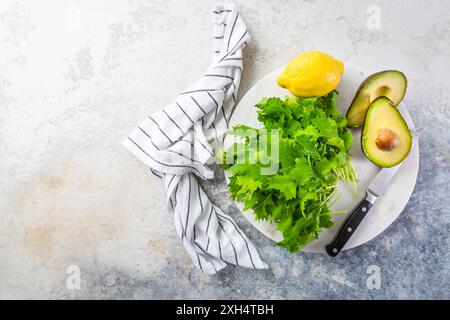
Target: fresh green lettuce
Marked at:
313, 149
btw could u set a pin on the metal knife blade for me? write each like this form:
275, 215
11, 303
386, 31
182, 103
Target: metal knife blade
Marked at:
356, 215
376, 188
381, 181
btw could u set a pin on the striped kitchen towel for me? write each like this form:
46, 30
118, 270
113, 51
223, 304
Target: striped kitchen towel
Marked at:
177, 144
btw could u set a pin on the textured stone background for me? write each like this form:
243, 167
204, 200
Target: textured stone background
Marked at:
77, 76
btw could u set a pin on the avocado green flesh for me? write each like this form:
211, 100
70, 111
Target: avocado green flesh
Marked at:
382, 114
391, 84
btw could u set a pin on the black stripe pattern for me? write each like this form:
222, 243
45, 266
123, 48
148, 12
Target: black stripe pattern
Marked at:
176, 143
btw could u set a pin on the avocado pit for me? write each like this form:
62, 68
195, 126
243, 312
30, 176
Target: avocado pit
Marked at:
387, 140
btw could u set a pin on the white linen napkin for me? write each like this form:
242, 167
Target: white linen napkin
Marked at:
175, 143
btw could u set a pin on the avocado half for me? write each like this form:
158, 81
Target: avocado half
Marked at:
389, 83
386, 139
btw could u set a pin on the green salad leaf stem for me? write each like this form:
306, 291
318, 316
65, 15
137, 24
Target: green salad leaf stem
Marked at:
313, 144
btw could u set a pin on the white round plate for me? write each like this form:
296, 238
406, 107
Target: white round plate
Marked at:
388, 206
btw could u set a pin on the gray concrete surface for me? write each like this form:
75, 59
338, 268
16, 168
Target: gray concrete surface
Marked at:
77, 76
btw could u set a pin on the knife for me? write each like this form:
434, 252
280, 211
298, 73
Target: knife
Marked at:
376, 188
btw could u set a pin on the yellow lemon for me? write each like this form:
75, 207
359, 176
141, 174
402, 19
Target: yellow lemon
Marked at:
311, 74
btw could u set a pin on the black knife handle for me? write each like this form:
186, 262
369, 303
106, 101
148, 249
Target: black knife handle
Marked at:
349, 226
